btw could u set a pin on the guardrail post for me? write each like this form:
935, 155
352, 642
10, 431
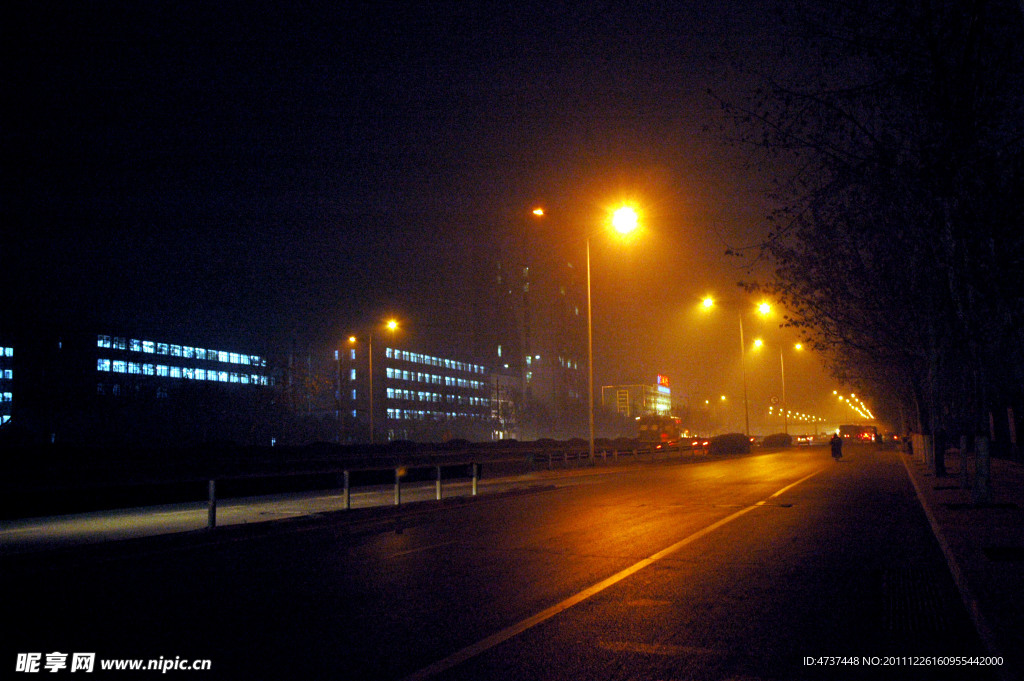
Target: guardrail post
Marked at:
398, 486
346, 492
439, 483
476, 477
211, 504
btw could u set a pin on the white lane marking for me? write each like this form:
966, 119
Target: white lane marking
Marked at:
500, 637
423, 548
666, 649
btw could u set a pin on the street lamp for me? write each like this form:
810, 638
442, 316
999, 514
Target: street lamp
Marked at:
782, 372
623, 220
391, 325
764, 309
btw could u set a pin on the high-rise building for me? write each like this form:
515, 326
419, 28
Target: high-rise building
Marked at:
538, 333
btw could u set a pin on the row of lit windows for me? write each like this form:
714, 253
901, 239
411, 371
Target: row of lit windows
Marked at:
421, 396
6, 397
420, 414
118, 366
419, 377
418, 358
186, 351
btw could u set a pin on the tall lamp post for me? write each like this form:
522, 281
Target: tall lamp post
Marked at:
763, 309
782, 374
391, 325
624, 220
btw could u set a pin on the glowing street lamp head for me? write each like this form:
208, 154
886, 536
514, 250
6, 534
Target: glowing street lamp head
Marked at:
392, 325
799, 346
538, 211
708, 303
758, 343
625, 220
764, 308
351, 339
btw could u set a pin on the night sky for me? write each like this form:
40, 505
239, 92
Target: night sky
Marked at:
269, 173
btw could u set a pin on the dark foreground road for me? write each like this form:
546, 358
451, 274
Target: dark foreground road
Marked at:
773, 566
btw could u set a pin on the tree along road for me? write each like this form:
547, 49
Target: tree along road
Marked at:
782, 565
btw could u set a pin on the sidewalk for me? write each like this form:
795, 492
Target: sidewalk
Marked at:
984, 546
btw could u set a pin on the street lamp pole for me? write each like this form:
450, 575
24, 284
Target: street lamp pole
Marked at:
785, 405
743, 370
590, 360
369, 344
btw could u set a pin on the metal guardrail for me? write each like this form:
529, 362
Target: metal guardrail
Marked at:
400, 472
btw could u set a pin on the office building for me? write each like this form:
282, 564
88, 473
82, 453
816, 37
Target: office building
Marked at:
389, 393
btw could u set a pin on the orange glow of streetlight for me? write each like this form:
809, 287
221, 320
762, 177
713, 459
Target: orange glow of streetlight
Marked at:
392, 325
538, 211
764, 308
708, 303
625, 220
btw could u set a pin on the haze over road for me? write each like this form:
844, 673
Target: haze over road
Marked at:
737, 568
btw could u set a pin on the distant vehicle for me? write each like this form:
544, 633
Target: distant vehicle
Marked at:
805, 439
660, 432
859, 433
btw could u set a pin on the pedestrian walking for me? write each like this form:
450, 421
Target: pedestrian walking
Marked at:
837, 446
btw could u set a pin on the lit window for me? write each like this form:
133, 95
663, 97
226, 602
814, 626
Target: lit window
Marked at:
244, 378
200, 353
162, 349
119, 343
352, 375
103, 365
163, 370
353, 394
243, 359
120, 366
222, 356
148, 347
234, 377
102, 341
180, 351
222, 376
134, 368
175, 372
148, 370
200, 374
135, 345
188, 372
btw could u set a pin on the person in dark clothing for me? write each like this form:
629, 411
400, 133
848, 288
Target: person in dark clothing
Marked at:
837, 446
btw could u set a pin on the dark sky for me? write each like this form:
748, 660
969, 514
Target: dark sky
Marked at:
262, 172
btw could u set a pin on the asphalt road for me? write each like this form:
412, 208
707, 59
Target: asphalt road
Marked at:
743, 568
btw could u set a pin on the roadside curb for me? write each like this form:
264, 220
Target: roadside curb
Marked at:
978, 617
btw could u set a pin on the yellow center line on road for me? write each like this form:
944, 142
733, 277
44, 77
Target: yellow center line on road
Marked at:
500, 637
